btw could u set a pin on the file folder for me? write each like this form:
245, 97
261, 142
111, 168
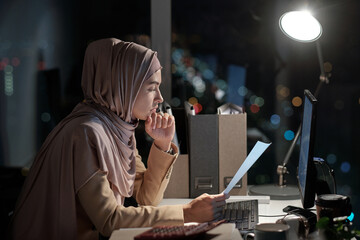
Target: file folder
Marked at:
203, 154
232, 151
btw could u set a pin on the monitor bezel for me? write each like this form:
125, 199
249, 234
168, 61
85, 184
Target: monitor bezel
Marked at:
308, 194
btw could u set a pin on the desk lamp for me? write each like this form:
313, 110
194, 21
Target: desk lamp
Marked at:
300, 26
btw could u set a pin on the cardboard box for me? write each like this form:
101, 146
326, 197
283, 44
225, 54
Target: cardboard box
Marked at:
232, 151
203, 154
178, 186
217, 146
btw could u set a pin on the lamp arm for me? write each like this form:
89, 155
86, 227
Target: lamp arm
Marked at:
292, 146
323, 79
321, 60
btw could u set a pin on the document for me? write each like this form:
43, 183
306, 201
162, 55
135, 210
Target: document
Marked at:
254, 154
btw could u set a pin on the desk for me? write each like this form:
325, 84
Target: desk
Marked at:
267, 207
226, 231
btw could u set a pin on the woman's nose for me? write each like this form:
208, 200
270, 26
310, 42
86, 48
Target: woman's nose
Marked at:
159, 97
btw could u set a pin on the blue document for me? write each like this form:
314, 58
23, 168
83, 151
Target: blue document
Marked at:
255, 153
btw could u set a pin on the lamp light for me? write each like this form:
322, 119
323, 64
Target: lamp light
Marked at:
300, 26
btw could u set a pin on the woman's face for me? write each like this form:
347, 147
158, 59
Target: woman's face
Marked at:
148, 98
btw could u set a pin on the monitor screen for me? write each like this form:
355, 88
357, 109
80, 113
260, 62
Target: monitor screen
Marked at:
306, 168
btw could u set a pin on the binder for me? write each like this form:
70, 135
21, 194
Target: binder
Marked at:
217, 146
203, 154
232, 151
178, 186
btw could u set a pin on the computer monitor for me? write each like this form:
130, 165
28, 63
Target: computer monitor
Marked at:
306, 169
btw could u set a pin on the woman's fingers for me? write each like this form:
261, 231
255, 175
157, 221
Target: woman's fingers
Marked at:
162, 120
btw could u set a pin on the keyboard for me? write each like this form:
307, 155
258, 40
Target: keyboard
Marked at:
177, 232
243, 213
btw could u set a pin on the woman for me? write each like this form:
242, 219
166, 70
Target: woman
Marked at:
89, 162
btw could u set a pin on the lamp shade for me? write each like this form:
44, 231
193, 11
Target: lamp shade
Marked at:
300, 26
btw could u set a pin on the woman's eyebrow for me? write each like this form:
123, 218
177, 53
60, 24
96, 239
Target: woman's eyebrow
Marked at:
153, 82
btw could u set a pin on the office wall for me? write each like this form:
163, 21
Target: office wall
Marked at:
43, 36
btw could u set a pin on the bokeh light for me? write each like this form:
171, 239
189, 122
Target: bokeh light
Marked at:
345, 167
221, 84
199, 84
242, 91
190, 73
331, 158
275, 119
193, 100
252, 99
282, 92
45, 117
289, 135
254, 108
288, 111
259, 101
296, 101
197, 107
177, 56
198, 94
285, 104
219, 94
175, 102
208, 74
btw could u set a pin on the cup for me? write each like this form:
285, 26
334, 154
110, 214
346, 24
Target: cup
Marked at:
271, 231
332, 206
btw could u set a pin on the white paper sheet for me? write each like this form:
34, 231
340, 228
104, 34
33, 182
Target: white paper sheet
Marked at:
254, 155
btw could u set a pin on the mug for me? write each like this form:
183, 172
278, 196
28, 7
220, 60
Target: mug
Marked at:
332, 206
270, 231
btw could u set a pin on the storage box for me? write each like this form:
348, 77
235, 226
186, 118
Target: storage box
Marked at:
178, 186
232, 151
217, 146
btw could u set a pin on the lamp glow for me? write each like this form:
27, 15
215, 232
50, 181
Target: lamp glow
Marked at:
300, 26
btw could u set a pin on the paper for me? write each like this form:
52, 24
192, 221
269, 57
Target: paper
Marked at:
254, 154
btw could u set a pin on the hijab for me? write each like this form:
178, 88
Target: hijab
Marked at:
113, 73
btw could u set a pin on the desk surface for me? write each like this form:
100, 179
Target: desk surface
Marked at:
269, 211
225, 231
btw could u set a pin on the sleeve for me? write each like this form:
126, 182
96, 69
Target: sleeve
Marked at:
151, 183
99, 203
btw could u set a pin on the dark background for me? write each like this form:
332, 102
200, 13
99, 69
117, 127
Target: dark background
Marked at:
42, 44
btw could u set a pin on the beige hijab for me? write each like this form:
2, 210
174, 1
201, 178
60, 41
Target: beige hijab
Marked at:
112, 76
97, 136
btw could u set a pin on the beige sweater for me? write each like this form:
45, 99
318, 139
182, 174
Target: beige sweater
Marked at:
98, 210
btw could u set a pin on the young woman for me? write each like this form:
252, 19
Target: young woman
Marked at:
89, 163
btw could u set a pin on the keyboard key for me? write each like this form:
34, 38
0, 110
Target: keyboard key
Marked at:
243, 213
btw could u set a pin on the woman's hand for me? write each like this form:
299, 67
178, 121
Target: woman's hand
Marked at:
161, 127
204, 208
